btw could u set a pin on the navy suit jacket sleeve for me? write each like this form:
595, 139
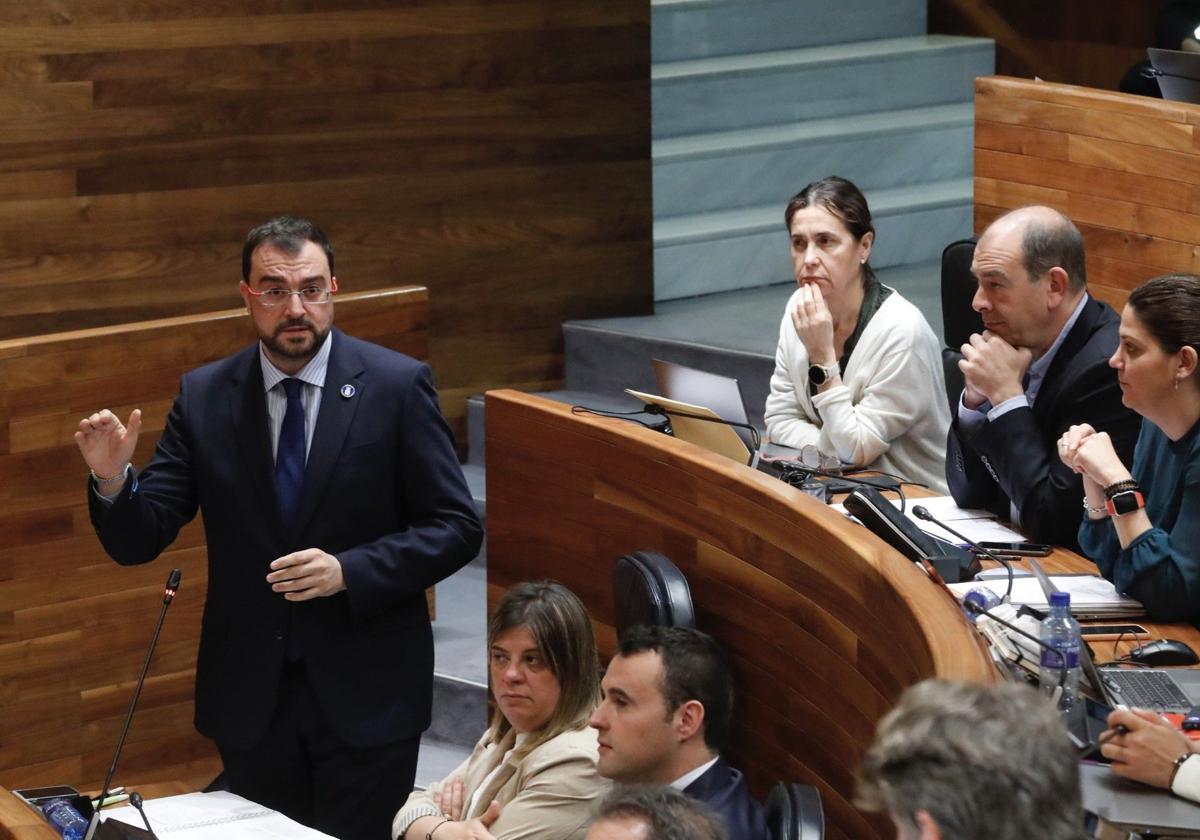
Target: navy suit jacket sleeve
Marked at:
1015, 457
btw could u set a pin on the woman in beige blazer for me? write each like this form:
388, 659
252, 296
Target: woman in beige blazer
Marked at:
533, 773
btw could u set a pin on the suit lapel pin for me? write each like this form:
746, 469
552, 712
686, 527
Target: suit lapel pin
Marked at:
347, 391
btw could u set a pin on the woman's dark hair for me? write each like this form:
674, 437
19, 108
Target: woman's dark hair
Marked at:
844, 200
560, 625
1169, 306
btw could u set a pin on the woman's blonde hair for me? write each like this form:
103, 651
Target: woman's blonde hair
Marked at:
562, 629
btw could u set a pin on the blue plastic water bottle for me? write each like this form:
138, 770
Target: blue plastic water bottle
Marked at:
983, 598
1060, 633
65, 819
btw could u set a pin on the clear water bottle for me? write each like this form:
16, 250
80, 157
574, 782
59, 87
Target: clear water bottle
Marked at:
65, 819
983, 598
1060, 633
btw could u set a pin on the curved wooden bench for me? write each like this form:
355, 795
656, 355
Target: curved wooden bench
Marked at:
824, 623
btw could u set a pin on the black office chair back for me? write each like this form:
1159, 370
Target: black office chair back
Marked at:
649, 589
959, 320
794, 812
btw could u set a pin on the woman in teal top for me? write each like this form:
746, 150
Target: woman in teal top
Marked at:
1142, 528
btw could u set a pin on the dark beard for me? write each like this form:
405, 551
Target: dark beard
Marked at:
280, 347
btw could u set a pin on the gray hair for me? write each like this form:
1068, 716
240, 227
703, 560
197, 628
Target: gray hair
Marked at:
670, 814
986, 762
1054, 241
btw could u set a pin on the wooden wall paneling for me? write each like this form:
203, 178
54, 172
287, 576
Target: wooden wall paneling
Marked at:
1125, 169
825, 625
73, 624
495, 151
1078, 42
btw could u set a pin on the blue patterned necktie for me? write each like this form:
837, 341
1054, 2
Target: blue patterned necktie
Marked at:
289, 455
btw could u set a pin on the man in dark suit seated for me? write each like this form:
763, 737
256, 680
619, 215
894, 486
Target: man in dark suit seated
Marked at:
668, 703
959, 760
1040, 366
331, 498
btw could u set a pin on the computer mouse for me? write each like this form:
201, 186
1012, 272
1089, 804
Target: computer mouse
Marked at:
1164, 652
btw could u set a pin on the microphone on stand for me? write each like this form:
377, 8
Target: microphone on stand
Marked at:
116, 829
922, 512
135, 799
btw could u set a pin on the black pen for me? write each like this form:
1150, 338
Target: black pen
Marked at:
1119, 729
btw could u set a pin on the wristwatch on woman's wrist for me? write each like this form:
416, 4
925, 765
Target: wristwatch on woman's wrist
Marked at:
1123, 497
820, 374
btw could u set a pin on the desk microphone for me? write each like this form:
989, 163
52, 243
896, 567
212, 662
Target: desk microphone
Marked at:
972, 607
922, 513
135, 799
96, 829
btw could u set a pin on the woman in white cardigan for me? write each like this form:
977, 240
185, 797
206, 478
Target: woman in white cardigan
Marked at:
858, 372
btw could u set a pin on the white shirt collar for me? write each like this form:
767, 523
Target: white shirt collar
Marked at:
687, 778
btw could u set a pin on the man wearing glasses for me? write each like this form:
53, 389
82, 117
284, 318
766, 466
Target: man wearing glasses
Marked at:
332, 498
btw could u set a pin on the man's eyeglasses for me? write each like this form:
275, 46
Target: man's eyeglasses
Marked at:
309, 295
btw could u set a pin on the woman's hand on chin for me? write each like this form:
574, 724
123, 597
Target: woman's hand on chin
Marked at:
814, 325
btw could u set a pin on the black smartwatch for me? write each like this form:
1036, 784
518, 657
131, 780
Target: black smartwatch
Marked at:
1124, 501
820, 374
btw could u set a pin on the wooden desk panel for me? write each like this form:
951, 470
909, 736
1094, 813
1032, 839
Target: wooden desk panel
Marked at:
824, 623
1125, 169
73, 625
19, 822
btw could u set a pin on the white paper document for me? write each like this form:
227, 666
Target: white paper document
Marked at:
218, 814
1090, 595
978, 525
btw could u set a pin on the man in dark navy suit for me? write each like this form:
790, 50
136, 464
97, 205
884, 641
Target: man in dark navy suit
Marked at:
1039, 367
668, 703
332, 498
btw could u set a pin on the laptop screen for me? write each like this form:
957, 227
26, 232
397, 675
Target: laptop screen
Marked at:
720, 394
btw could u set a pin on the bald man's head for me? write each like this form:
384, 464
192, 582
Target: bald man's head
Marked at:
1030, 271
1047, 239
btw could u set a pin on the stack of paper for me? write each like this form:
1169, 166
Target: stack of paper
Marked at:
1091, 596
217, 815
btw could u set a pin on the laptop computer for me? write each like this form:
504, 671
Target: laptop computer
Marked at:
699, 425
1178, 74
1159, 689
720, 394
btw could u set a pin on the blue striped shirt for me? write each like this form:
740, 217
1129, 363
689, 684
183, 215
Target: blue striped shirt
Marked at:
313, 377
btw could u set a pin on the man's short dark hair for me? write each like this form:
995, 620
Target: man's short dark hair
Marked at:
983, 761
1046, 244
694, 668
288, 234
670, 814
